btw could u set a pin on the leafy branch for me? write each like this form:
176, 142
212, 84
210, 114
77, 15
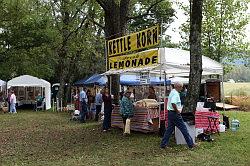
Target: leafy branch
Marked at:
147, 12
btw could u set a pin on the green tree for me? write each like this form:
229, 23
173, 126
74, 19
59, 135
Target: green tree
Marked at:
195, 57
223, 29
25, 37
63, 40
77, 45
121, 15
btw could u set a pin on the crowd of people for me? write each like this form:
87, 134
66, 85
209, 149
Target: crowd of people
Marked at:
90, 106
9, 101
175, 100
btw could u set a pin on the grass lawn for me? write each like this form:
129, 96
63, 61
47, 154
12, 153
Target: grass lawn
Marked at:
46, 138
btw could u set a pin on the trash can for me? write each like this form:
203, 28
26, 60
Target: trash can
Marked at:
235, 124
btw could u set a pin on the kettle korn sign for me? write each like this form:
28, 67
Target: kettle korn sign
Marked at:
135, 41
141, 59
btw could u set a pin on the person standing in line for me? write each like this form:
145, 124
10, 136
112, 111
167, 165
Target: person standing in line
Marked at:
175, 118
8, 99
151, 92
77, 100
126, 107
98, 102
91, 104
107, 100
13, 102
121, 96
84, 108
183, 95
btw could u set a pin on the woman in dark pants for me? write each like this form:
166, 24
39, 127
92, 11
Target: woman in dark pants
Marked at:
106, 97
126, 107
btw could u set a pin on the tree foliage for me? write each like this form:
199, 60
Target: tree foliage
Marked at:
64, 40
223, 29
78, 48
25, 39
195, 56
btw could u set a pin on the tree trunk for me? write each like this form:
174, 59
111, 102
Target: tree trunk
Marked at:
195, 57
63, 51
71, 74
115, 26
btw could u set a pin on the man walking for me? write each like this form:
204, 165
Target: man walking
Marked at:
175, 118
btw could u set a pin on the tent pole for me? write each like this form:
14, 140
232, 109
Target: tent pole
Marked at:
164, 98
160, 73
61, 109
107, 66
6, 88
223, 94
53, 105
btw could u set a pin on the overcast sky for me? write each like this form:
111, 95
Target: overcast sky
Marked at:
173, 30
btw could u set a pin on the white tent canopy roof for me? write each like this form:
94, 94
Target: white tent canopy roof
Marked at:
30, 81
181, 58
184, 80
175, 62
2, 83
26, 80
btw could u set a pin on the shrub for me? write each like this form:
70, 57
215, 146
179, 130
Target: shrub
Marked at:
242, 101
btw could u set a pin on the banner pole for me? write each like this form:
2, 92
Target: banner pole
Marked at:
107, 66
106, 55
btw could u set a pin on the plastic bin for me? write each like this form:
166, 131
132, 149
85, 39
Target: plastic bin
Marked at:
222, 128
180, 138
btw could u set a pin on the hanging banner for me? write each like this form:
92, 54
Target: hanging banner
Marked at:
135, 41
141, 59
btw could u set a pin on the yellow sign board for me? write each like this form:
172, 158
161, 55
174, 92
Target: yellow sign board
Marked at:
135, 41
141, 59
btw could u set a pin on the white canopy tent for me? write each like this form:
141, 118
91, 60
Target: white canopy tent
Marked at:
184, 80
181, 59
30, 81
174, 62
2, 85
48, 92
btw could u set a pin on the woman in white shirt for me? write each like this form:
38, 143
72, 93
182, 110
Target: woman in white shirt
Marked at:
13, 102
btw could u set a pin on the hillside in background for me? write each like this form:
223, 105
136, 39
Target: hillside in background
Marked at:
240, 73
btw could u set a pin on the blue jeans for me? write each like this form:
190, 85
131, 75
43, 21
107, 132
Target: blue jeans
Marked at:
84, 110
13, 108
175, 119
